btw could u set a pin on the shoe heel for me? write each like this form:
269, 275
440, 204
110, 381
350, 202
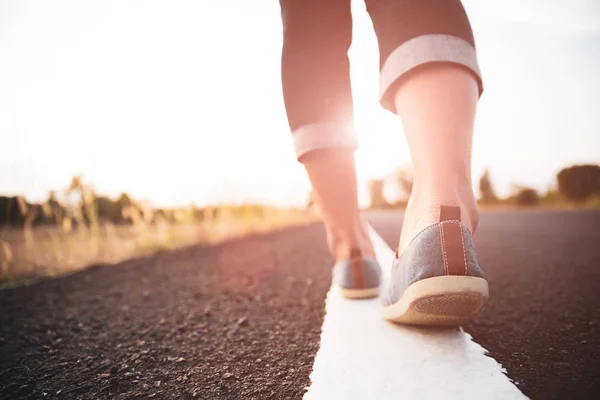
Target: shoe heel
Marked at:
440, 301
360, 293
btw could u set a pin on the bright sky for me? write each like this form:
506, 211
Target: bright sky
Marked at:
180, 101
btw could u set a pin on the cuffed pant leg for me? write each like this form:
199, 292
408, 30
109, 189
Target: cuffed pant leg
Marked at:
415, 34
316, 73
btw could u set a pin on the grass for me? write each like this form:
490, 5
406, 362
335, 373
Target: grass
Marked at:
544, 203
37, 252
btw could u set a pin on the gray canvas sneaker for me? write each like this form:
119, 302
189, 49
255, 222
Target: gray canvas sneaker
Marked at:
437, 280
358, 277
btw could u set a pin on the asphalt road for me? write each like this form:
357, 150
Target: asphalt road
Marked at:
242, 319
543, 319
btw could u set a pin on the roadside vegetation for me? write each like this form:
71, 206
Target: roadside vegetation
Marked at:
576, 187
76, 227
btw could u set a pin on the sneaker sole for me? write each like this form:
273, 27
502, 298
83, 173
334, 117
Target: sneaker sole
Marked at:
360, 293
439, 301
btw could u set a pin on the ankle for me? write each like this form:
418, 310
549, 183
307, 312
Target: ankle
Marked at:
346, 251
426, 199
346, 241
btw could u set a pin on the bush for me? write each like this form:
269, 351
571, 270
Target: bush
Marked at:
527, 197
579, 182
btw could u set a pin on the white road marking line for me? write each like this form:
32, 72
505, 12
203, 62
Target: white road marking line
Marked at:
363, 356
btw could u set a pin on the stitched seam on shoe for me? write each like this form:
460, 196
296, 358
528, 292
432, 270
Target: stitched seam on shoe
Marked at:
431, 227
437, 224
444, 250
445, 257
450, 220
461, 224
462, 237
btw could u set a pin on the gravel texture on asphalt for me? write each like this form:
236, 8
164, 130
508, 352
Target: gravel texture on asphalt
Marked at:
240, 320
542, 322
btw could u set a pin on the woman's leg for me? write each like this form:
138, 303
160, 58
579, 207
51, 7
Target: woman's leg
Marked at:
437, 106
318, 100
430, 78
333, 178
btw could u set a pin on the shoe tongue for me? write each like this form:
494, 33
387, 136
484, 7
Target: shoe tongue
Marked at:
449, 213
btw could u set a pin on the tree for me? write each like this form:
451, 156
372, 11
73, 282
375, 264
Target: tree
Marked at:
526, 197
579, 181
486, 189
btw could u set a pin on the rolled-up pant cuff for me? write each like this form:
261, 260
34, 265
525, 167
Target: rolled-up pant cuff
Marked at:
325, 135
420, 51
